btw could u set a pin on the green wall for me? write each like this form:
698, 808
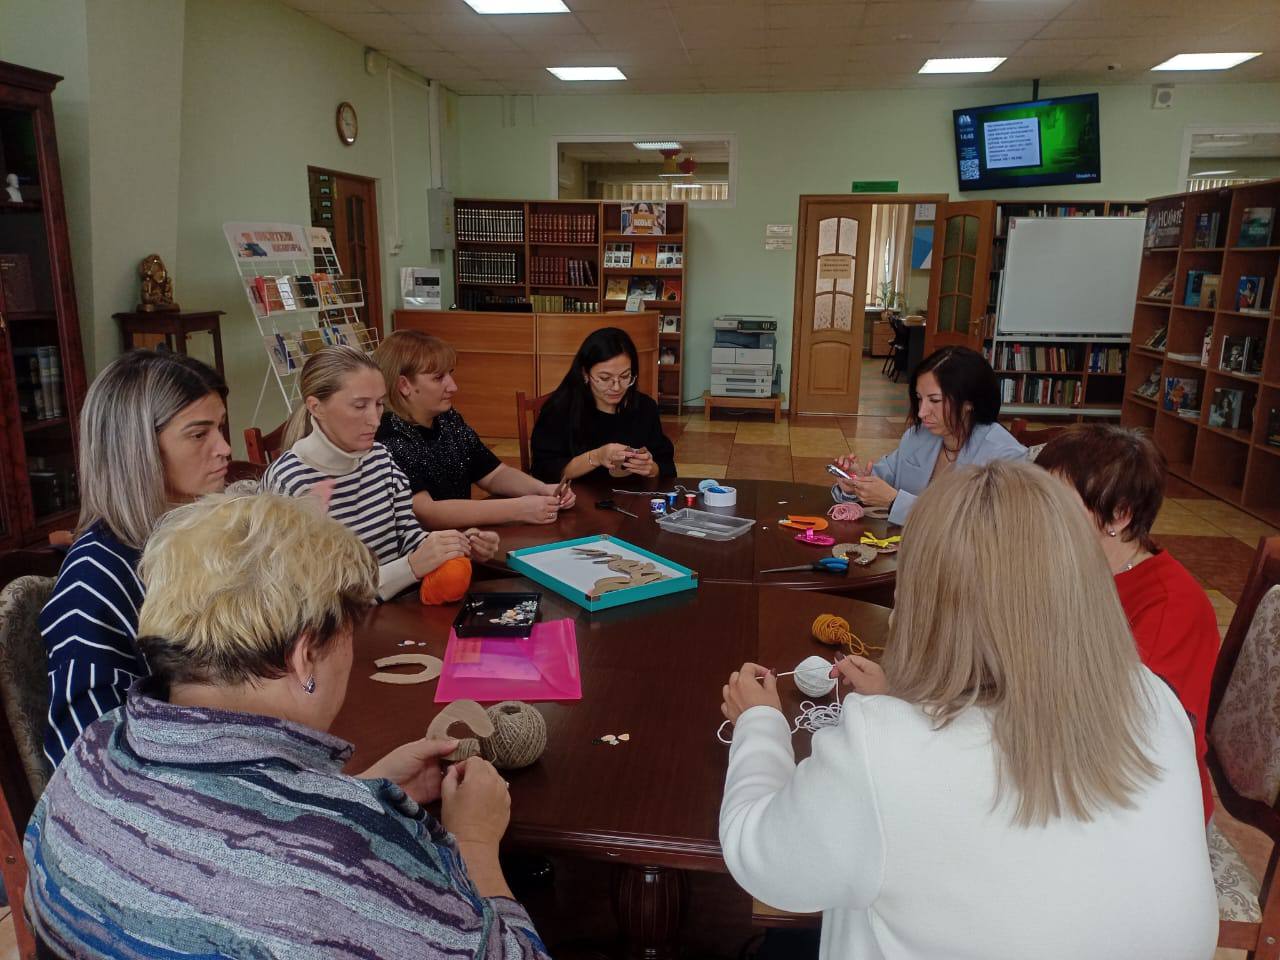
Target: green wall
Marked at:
794, 143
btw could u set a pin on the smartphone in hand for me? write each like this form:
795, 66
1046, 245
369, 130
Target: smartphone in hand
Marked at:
836, 471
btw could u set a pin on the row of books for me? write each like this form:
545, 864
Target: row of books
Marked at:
38, 371
554, 304
490, 266
1107, 359
662, 255
1020, 356
1203, 289
472, 298
303, 292
1046, 391
562, 272
562, 228
644, 288
1158, 339
289, 349
480, 224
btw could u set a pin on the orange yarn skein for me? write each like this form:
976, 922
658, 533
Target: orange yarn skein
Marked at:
835, 631
447, 582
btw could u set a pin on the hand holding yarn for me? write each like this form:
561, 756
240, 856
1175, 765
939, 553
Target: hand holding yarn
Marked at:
484, 543
813, 676
865, 676
437, 547
415, 767
744, 691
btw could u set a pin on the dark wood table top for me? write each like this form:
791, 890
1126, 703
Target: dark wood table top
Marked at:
652, 669
736, 561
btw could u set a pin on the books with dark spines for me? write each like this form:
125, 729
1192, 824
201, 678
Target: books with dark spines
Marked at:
1157, 339
306, 288
616, 289
1226, 410
1181, 393
1206, 232
1249, 293
1209, 290
645, 287
17, 290
1191, 294
1273, 427
1164, 289
1231, 357
1256, 225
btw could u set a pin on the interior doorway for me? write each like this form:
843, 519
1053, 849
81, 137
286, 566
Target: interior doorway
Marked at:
347, 206
862, 262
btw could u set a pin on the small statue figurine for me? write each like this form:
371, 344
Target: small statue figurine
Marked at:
157, 286
12, 189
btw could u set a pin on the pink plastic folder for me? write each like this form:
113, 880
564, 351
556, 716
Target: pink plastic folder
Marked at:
542, 667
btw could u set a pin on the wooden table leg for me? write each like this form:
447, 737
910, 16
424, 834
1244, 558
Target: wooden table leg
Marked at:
649, 905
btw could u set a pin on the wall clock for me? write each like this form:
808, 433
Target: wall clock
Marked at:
348, 126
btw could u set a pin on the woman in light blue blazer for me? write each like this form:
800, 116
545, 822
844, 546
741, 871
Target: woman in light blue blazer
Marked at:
955, 400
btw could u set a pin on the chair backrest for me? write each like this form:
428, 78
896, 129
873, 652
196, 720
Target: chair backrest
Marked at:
1023, 433
262, 448
24, 682
527, 409
1244, 701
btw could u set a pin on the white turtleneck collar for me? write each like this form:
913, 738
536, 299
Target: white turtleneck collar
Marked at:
317, 451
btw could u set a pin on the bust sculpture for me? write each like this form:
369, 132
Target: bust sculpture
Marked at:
12, 189
157, 285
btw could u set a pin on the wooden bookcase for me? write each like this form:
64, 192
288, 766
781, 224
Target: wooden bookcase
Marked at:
550, 254
1097, 393
42, 377
1237, 465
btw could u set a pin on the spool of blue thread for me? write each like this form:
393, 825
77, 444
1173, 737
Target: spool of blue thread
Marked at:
657, 506
671, 500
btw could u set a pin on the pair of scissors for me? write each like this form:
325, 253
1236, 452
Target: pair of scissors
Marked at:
833, 565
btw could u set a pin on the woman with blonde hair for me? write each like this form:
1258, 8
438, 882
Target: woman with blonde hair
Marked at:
440, 454
210, 816
150, 437
331, 448
1013, 783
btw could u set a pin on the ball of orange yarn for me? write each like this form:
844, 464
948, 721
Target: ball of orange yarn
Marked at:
447, 582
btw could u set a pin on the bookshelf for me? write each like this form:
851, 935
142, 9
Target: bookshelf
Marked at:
564, 256
42, 375
1068, 376
1219, 340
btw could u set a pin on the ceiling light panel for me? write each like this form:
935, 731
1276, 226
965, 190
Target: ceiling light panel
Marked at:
1205, 61
587, 73
1212, 173
517, 6
656, 145
961, 65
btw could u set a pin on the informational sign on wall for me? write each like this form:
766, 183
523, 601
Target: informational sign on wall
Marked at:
779, 230
779, 243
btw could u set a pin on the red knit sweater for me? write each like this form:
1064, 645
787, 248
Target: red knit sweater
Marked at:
1177, 635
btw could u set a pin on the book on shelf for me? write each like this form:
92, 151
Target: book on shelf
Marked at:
489, 266
307, 294
1242, 355
1157, 339
285, 289
648, 288
1195, 285
1227, 409
616, 289
670, 323
1150, 390
1254, 348
1189, 413
283, 353
1181, 393
1164, 226
1164, 289
646, 255
1255, 226
1042, 391
562, 228
1206, 346
562, 272
617, 255
1273, 427
17, 290
38, 375
1206, 231
487, 224
644, 218
1184, 357
327, 290
670, 255
672, 290
1209, 290
1249, 294
549, 303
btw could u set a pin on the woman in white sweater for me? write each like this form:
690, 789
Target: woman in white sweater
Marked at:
332, 455
1013, 783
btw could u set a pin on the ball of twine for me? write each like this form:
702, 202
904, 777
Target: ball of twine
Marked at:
447, 582
467, 747
835, 631
813, 677
519, 735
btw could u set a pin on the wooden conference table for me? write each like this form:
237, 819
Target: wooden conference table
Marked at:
652, 669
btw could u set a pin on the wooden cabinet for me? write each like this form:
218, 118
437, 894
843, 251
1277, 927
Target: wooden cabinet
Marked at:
42, 378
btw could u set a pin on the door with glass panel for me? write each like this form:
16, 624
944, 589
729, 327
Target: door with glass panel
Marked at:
960, 281
831, 297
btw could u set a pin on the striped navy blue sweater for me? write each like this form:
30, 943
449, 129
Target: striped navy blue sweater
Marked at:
371, 496
90, 626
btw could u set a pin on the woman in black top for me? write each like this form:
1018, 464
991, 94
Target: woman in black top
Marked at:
597, 423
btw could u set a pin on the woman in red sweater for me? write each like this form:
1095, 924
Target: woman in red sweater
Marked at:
1119, 475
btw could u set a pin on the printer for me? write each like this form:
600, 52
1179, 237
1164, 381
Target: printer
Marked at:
742, 356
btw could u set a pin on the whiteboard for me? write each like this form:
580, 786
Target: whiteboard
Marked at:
1070, 275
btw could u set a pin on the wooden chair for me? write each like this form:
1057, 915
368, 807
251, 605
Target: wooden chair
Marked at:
763, 915
1244, 758
1028, 437
262, 449
23, 768
527, 409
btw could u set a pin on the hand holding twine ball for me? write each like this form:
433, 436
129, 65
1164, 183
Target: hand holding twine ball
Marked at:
447, 582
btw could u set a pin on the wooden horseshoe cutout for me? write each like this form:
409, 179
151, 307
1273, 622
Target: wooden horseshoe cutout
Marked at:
431, 667
471, 715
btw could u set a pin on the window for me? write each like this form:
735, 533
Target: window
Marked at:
699, 169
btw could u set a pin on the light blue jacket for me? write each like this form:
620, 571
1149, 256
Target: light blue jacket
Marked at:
909, 467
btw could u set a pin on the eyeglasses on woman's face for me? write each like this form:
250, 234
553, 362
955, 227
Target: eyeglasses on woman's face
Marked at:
623, 381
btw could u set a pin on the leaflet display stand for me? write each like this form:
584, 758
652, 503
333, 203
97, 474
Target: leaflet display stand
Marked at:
300, 300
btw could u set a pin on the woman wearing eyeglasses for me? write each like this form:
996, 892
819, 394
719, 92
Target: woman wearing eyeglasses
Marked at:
597, 423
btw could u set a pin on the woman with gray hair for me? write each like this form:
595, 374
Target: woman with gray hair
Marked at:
150, 438
210, 815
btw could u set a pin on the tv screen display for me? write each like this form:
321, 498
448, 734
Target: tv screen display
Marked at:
1031, 144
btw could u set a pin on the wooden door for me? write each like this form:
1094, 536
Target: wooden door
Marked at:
831, 294
355, 237
960, 280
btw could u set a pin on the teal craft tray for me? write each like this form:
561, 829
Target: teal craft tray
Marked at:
688, 579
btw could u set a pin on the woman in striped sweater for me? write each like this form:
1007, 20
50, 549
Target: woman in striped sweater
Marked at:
150, 438
333, 455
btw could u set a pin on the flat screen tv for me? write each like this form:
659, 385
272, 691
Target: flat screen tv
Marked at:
1031, 144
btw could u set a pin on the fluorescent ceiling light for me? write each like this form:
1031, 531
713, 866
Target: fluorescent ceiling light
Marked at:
656, 145
686, 186
518, 6
961, 65
1205, 61
587, 73
1212, 173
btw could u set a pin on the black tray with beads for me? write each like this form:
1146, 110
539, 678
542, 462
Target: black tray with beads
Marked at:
480, 609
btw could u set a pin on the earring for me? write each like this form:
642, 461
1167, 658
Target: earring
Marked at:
309, 686
1110, 532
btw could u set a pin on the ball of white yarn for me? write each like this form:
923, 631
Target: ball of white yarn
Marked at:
813, 676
